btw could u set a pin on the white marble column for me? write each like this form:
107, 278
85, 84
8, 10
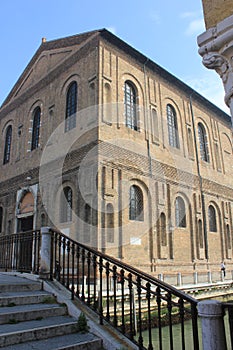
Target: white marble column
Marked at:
216, 49
212, 323
45, 253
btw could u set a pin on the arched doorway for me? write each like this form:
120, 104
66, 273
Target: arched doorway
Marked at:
25, 213
25, 216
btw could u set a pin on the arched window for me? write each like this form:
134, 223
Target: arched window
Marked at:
71, 106
203, 142
212, 219
36, 129
1, 219
66, 205
88, 221
172, 127
130, 106
110, 223
7, 149
180, 212
135, 203
163, 231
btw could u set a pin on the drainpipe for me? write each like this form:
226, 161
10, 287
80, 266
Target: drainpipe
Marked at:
200, 181
147, 135
147, 119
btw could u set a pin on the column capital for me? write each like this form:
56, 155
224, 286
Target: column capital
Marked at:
216, 49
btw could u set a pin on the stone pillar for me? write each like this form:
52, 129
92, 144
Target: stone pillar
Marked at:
179, 279
216, 49
45, 253
213, 332
195, 277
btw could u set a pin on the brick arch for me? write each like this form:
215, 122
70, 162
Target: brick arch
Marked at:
183, 234
26, 203
5, 126
67, 82
215, 238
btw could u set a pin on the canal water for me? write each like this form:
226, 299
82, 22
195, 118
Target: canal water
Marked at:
177, 336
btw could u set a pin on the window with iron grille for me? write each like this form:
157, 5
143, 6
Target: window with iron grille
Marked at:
203, 142
66, 205
36, 129
180, 212
136, 203
172, 127
212, 219
130, 106
71, 106
7, 149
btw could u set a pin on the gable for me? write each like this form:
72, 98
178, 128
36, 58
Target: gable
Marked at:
48, 56
46, 62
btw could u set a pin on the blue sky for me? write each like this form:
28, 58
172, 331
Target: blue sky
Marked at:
165, 31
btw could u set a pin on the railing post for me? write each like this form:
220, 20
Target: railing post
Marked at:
45, 253
195, 276
179, 279
213, 331
209, 274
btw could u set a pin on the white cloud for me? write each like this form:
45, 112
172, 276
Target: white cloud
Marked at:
195, 27
210, 86
195, 22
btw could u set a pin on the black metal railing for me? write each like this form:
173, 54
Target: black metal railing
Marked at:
151, 313
20, 251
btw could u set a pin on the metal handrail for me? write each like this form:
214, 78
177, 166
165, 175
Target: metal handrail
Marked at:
138, 305
135, 303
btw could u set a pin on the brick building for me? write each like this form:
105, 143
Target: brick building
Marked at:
104, 144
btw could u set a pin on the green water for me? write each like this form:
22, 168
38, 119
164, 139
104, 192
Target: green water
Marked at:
177, 336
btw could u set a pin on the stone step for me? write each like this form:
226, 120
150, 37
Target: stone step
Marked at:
35, 330
24, 297
75, 341
20, 287
30, 312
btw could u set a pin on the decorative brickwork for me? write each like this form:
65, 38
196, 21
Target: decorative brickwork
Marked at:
113, 169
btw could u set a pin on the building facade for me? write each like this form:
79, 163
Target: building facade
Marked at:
107, 146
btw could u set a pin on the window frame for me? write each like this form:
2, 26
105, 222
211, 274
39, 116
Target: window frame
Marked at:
172, 125
8, 143
203, 143
212, 219
130, 106
66, 205
36, 128
180, 212
136, 203
71, 106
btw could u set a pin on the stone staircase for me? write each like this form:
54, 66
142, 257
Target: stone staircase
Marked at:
31, 318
